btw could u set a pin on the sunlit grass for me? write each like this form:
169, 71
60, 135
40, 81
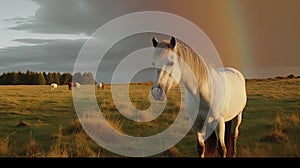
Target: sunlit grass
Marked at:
36, 122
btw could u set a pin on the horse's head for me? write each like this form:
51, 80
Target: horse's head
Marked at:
167, 73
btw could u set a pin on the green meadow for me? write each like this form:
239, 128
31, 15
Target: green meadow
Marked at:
38, 122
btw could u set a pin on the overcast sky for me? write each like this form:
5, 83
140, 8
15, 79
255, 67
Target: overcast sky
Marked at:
259, 37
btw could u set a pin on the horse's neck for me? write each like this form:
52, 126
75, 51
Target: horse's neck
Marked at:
195, 83
203, 90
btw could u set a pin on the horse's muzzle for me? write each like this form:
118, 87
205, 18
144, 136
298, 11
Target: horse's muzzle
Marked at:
158, 93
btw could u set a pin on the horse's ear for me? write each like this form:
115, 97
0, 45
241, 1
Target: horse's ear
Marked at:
154, 41
173, 42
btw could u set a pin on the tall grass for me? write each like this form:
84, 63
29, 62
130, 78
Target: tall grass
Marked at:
4, 146
33, 148
270, 121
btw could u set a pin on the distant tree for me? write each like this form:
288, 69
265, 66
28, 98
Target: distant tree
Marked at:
4, 79
39, 79
58, 77
53, 77
1, 79
13, 78
87, 78
42, 78
279, 77
46, 78
34, 79
50, 78
21, 78
29, 77
291, 76
65, 78
77, 77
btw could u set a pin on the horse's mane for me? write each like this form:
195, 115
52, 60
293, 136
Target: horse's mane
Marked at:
192, 59
195, 62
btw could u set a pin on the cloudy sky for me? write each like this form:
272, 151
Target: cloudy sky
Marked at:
259, 37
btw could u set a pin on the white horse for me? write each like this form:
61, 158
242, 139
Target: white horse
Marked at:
222, 94
53, 86
77, 85
100, 85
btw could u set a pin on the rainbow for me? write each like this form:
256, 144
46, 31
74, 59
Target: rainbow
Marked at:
243, 41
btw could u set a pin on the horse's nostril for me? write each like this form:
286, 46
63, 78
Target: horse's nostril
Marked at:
158, 93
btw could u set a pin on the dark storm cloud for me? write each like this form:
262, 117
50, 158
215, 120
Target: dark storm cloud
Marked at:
45, 55
60, 54
75, 16
58, 16
70, 17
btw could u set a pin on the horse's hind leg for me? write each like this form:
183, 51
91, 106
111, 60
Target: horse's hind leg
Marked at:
229, 136
235, 126
221, 138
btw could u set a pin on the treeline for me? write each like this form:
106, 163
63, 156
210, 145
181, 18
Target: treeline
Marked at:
44, 78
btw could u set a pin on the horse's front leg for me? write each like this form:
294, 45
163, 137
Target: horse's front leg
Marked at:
221, 138
200, 144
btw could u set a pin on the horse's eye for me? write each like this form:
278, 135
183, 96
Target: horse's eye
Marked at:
171, 63
153, 64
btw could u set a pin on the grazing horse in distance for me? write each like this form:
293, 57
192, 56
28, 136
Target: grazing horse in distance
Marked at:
100, 85
70, 85
53, 86
77, 85
222, 93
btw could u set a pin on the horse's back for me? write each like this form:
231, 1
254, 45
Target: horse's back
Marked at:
235, 93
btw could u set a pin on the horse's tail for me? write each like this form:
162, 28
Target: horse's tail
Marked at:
211, 146
229, 138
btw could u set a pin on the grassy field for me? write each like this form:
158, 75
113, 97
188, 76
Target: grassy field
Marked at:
35, 122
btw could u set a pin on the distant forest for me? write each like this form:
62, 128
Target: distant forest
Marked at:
44, 78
